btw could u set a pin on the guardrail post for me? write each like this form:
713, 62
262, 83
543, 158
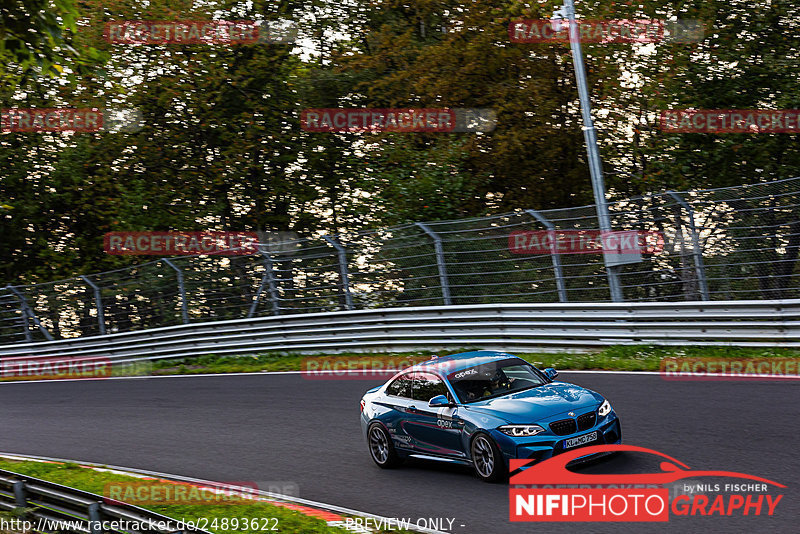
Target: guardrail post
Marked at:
437, 246
267, 280
562, 290
182, 289
697, 253
27, 314
95, 520
20, 495
343, 273
98, 302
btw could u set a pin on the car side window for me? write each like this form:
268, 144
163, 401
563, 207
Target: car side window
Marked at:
427, 386
401, 387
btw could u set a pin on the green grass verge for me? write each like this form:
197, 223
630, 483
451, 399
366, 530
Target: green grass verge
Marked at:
616, 358
74, 476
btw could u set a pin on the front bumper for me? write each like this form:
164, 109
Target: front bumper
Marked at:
548, 445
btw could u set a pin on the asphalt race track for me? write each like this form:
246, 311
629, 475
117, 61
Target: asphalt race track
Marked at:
287, 428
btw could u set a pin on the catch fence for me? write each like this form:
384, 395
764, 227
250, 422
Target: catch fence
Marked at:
735, 243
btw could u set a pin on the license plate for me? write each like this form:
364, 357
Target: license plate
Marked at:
580, 440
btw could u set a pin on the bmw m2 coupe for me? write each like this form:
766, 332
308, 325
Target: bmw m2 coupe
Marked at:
482, 409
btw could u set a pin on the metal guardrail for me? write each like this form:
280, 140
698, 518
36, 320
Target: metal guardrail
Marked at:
335, 513
519, 327
54, 504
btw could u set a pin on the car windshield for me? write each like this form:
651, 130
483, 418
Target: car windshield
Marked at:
494, 379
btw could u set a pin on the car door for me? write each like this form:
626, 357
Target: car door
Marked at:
433, 430
398, 398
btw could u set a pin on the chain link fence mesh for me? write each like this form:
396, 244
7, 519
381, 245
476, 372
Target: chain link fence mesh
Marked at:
722, 244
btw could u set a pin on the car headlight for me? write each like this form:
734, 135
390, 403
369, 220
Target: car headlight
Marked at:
604, 409
521, 431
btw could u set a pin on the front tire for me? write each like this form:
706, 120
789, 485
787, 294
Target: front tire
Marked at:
381, 448
488, 461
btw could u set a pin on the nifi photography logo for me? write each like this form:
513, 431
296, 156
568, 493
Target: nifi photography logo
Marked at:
548, 491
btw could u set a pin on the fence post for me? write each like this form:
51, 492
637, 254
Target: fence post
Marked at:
182, 289
25, 320
27, 314
437, 246
267, 280
697, 253
98, 302
562, 290
343, 273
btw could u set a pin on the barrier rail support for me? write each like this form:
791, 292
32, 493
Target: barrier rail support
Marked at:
558, 270
440, 263
28, 315
182, 289
697, 253
98, 302
343, 272
268, 281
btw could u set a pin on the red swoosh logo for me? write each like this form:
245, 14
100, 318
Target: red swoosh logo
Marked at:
554, 471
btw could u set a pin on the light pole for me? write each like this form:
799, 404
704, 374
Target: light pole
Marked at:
590, 134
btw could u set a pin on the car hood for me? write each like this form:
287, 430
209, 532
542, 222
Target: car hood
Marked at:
538, 403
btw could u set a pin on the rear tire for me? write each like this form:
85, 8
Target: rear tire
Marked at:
381, 448
488, 461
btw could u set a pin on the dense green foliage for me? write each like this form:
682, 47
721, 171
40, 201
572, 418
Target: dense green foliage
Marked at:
221, 147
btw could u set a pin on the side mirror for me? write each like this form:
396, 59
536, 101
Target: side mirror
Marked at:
550, 373
439, 401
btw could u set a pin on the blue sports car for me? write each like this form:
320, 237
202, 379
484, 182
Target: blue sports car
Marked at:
482, 409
